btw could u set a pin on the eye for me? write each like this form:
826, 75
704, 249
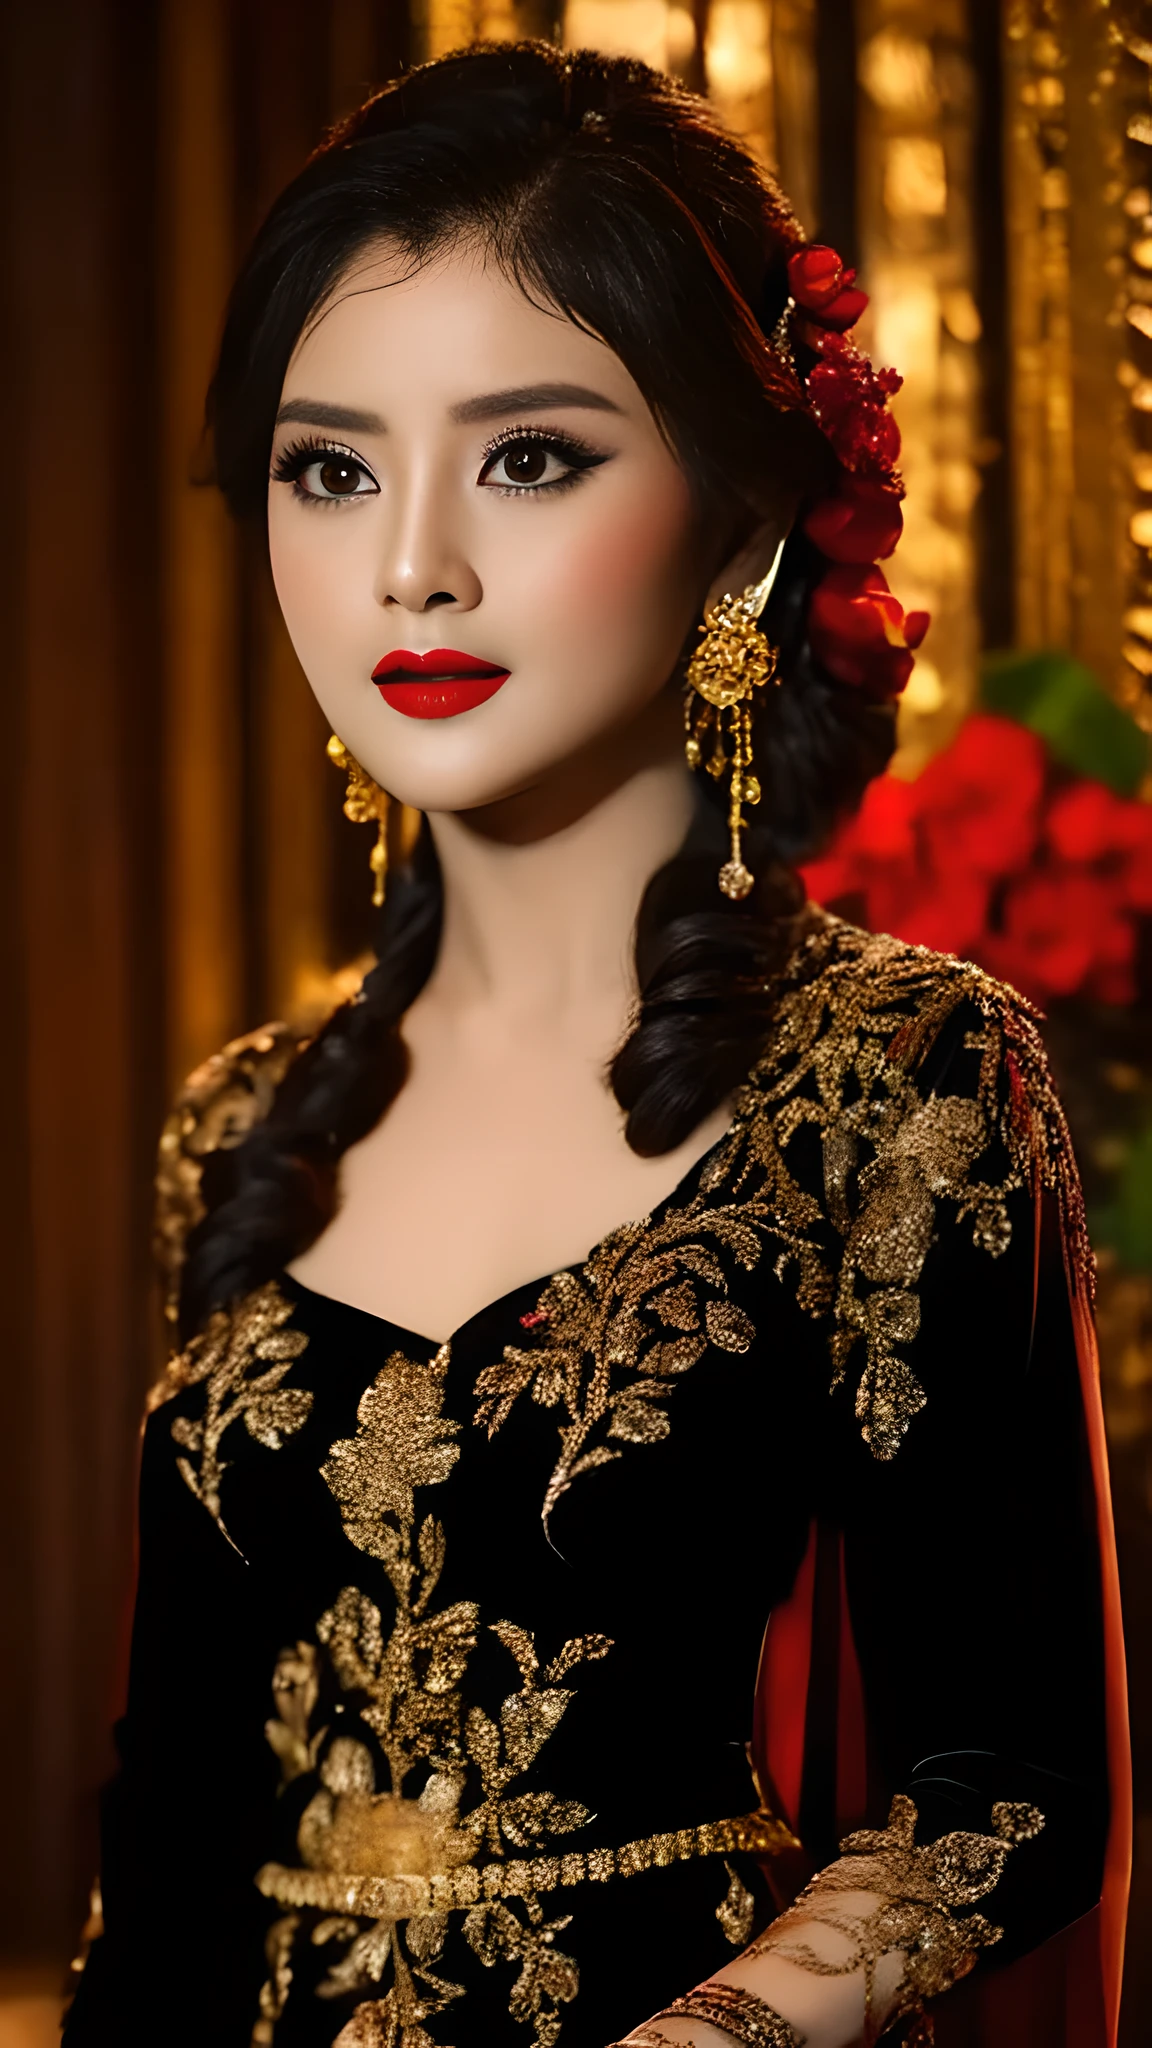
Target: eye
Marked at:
324, 473
525, 460
336, 476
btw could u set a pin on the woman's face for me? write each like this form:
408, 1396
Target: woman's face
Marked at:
460, 474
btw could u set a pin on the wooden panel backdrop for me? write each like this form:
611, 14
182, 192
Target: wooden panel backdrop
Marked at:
80, 1017
175, 862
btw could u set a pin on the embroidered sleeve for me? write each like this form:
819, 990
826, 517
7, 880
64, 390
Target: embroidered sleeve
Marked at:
926, 1910
907, 1147
216, 1108
921, 1155
956, 1506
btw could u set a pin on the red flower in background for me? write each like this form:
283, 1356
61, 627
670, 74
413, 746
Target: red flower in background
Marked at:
979, 801
1064, 931
982, 856
860, 632
877, 839
879, 856
1088, 823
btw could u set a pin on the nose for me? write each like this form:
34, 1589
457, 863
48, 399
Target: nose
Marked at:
425, 566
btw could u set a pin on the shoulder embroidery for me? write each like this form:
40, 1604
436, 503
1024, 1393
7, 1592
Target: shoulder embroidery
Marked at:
215, 1109
241, 1359
857, 1015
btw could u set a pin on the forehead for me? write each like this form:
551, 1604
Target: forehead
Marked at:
437, 333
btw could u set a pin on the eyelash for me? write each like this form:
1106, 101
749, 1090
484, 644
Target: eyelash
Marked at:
298, 456
567, 447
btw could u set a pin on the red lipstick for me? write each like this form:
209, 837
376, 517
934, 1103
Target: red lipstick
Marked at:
439, 684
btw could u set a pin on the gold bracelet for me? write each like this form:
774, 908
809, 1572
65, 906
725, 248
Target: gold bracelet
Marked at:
736, 2012
647, 2037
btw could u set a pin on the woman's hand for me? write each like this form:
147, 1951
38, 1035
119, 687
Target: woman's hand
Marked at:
822, 2001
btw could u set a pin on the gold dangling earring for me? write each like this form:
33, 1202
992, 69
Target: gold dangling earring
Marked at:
364, 803
732, 662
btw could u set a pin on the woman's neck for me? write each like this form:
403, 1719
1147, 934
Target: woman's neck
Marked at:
541, 890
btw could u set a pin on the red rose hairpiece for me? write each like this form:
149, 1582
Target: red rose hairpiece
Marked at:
859, 628
861, 632
821, 285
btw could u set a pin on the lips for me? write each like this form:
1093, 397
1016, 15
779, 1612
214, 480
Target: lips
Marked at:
439, 684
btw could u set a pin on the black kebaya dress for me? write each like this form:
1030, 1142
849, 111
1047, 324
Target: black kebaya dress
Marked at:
441, 1702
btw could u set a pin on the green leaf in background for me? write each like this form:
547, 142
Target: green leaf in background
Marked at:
1057, 697
1125, 1223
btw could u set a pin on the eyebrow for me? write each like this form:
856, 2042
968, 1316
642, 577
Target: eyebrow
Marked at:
311, 412
491, 405
496, 405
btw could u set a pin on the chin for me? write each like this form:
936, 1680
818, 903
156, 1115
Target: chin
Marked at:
463, 773
458, 765
461, 790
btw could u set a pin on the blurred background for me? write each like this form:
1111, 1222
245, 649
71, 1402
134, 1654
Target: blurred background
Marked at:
176, 866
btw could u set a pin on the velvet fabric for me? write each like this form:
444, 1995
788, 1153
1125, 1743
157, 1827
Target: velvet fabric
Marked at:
524, 1630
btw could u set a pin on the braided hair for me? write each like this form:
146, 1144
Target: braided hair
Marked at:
606, 191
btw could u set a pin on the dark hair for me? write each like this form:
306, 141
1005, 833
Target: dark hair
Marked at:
608, 192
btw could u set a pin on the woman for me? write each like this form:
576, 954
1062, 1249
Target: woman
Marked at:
454, 1578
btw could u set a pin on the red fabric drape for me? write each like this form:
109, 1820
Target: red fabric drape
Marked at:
1113, 1907
1065, 1994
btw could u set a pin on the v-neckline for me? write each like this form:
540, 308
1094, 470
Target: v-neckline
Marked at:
815, 921
534, 1286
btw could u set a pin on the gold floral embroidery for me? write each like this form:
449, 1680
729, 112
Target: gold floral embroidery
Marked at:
295, 1689
403, 1441
387, 1863
607, 1359
926, 1899
547, 1978
215, 1110
384, 1841
274, 1992
736, 1909
856, 1014
224, 1357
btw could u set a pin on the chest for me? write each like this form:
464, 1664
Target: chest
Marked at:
504, 1599
579, 1464
481, 1178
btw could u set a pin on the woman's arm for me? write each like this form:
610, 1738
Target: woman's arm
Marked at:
178, 1845
782, 2004
972, 1570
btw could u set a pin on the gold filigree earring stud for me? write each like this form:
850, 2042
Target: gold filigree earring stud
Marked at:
732, 662
365, 803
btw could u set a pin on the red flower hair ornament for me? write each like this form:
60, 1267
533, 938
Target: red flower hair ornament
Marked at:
862, 523
821, 285
861, 632
859, 629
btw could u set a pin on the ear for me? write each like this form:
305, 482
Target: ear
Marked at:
752, 559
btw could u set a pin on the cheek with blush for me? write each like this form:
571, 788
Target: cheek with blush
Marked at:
325, 590
626, 583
